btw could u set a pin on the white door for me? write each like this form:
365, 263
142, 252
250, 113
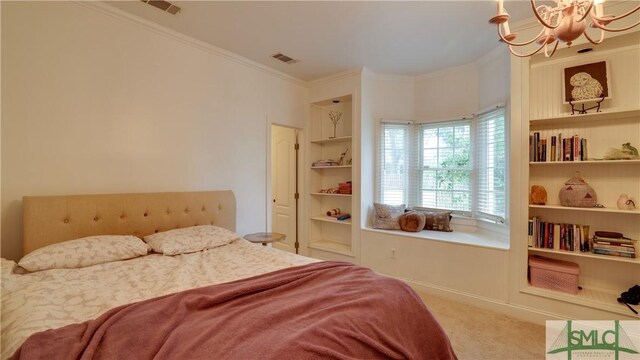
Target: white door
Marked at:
283, 185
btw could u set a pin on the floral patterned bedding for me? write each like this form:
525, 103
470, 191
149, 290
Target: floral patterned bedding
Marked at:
51, 299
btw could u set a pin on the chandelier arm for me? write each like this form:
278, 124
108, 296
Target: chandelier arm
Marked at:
630, 12
593, 41
518, 44
555, 46
602, 27
540, 19
586, 13
526, 55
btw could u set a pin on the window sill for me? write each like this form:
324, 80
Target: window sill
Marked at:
462, 235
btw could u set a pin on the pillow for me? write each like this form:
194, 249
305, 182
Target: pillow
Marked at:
435, 220
412, 221
190, 239
87, 251
387, 216
7, 266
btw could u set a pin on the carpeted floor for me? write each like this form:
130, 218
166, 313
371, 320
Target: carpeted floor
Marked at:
477, 333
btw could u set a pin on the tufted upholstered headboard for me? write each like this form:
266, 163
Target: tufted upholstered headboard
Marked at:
52, 219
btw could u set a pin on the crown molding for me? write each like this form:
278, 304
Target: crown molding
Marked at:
336, 77
177, 36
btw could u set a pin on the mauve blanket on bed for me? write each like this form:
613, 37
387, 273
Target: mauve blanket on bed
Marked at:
326, 310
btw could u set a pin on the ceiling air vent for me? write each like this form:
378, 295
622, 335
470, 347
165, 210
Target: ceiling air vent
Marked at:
163, 5
284, 58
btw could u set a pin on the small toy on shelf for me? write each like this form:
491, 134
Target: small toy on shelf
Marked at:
626, 203
538, 195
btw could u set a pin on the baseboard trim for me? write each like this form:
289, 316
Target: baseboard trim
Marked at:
517, 311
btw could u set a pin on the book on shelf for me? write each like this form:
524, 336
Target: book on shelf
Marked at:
530, 234
557, 148
323, 163
626, 254
576, 152
613, 241
625, 247
557, 236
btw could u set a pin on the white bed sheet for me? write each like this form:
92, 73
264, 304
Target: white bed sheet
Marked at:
54, 298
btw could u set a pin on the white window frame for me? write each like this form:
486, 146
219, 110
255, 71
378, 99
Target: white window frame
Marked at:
473, 218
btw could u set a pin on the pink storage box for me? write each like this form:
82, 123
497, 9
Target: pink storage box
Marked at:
554, 274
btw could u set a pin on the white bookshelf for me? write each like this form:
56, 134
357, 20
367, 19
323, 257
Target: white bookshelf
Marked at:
602, 277
328, 237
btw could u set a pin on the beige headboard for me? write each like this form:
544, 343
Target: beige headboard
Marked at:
52, 219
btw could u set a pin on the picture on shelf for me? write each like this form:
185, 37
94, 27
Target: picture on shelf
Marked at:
587, 82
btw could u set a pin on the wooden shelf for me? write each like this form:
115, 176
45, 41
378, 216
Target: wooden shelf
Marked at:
565, 119
586, 255
331, 246
611, 210
332, 140
331, 220
595, 298
328, 194
331, 167
586, 162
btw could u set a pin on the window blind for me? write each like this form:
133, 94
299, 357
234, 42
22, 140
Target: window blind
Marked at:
393, 163
490, 158
457, 165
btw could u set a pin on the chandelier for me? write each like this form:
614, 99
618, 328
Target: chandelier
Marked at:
565, 22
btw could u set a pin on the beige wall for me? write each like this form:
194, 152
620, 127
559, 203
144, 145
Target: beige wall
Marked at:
96, 103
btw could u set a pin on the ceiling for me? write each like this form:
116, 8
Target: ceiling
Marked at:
328, 37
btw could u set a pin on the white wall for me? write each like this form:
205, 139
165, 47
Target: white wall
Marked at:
471, 272
493, 78
447, 94
95, 103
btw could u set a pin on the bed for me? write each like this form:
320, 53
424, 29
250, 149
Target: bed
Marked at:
231, 300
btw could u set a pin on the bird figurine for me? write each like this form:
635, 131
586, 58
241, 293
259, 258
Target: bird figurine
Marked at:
628, 149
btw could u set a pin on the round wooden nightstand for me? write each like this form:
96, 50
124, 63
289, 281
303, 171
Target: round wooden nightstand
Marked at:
265, 237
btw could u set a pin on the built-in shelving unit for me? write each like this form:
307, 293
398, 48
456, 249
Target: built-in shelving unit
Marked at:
330, 238
602, 277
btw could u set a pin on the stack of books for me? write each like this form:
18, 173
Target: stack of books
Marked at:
614, 246
328, 162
